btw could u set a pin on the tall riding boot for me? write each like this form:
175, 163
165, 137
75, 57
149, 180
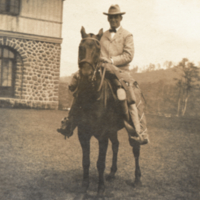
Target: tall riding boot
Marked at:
68, 124
135, 118
121, 95
73, 85
138, 133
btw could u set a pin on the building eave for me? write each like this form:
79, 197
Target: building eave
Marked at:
27, 36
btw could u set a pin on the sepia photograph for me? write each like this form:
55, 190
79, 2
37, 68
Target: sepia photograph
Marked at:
99, 100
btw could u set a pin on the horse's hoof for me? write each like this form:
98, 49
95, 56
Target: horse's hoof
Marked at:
110, 177
135, 184
85, 185
101, 190
99, 197
80, 196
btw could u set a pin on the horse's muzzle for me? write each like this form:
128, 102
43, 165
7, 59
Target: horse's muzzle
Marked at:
86, 68
85, 62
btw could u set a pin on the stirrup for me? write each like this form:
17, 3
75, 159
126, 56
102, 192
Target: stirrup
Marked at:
141, 138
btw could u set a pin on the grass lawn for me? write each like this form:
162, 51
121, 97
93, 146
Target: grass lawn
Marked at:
36, 163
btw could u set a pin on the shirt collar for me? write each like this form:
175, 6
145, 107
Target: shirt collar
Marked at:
116, 28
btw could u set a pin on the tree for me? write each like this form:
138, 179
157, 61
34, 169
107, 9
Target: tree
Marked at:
158, 66
168, 64
188, 81
151, 67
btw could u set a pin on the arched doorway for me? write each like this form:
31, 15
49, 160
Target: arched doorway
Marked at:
7, 71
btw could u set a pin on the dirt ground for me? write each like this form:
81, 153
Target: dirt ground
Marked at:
37, 163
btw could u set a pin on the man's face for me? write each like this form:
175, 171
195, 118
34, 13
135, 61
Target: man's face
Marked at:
114, 20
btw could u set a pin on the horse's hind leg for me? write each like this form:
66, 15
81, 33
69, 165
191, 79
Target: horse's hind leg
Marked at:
115, 146
103, 145
84, 139
136, 152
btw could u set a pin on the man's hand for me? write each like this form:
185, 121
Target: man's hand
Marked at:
105, 60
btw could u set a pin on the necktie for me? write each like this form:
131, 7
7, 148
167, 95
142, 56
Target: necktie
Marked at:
112, 30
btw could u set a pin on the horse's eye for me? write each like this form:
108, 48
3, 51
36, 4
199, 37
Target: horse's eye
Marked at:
81, 48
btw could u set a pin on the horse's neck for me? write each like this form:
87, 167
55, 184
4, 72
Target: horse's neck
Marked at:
106, 94
98, 94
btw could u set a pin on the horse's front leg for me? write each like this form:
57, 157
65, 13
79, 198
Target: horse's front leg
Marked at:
115, 147
136, 152
84, 139
103, 145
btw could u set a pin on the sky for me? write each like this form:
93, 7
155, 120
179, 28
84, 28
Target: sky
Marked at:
163, 30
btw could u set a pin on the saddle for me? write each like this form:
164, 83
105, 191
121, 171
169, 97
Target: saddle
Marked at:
122, 78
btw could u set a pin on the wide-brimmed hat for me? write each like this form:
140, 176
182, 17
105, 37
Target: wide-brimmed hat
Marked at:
114, 10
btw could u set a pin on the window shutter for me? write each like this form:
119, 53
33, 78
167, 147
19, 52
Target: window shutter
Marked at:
11, 7
2, 6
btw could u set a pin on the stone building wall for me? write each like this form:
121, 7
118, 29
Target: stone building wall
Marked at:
37, 73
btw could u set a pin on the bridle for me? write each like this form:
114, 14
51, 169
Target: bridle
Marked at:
91, 39
94, 66
84, 61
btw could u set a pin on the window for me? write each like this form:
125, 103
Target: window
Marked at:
7, 72
10, 7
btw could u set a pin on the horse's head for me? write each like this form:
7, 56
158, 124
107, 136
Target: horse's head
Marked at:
89, 52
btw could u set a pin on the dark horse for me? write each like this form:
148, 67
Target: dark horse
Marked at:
99, 114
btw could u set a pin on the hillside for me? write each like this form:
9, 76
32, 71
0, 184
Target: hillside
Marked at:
151, 77
159, 89
155, 76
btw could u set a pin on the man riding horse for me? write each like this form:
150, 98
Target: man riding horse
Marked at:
117, 51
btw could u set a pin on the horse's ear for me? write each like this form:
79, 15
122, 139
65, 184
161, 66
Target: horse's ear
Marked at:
99, 35
83, 33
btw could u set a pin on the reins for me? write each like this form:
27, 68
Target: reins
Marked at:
102, 78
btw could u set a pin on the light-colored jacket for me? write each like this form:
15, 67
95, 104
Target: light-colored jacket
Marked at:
120, 48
